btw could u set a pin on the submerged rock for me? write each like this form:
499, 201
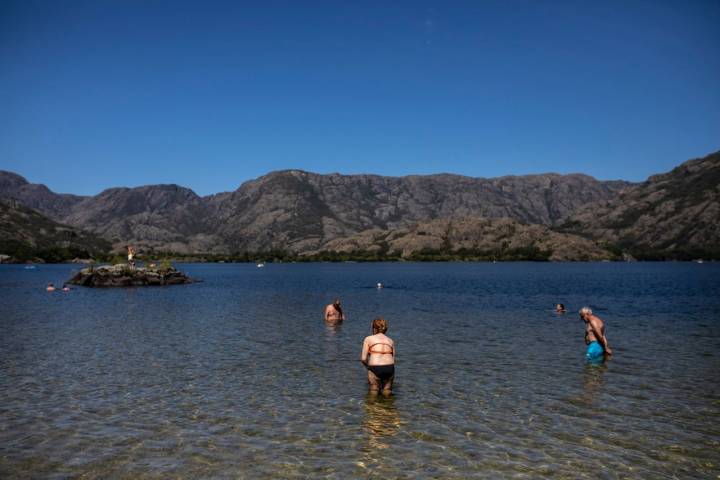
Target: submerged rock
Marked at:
125, 276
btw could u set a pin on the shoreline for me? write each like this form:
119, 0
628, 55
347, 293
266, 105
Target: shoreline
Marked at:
210, 261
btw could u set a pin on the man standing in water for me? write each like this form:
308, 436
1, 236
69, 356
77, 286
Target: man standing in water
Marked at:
334, 313
594, 335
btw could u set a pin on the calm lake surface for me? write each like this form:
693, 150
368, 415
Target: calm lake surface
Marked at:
239, 377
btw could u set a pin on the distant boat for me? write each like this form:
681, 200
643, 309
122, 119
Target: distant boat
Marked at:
699, 260
29, 267
260, 265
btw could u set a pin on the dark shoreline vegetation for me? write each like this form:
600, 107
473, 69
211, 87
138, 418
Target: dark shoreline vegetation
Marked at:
20, 252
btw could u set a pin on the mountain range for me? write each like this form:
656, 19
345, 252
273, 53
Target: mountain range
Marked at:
26, 233
551, 216
674, 214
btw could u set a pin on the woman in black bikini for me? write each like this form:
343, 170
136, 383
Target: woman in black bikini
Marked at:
381, 362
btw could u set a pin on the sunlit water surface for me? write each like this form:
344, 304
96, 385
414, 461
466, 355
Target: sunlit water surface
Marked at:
238, 376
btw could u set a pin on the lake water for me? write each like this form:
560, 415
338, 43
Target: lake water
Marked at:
238, 376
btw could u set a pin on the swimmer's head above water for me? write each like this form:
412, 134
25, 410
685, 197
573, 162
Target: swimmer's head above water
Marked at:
334, 311
379, 325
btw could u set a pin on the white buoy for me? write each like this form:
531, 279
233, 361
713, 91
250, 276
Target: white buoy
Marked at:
379, 285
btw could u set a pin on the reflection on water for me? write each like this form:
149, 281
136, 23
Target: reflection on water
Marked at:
381, 421
332, 336
381, 424
593, 380
239, 377
332, 327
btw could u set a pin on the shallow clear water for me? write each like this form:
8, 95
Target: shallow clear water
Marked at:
238, 376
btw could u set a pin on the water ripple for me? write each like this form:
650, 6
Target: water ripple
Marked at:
238, 377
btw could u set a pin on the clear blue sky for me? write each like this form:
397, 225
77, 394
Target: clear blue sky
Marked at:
208, 94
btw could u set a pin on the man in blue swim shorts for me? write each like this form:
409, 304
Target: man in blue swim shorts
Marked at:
597, 345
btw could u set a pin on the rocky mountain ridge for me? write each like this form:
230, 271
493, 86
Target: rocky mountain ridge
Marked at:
26, 234
674, 214
303, 213
475, 238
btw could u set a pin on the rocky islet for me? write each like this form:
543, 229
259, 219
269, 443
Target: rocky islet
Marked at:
124, 275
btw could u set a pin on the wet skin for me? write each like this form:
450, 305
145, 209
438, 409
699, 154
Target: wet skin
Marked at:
595, 331
383, 353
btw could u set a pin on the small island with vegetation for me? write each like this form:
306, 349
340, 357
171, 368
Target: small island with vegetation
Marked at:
124, 275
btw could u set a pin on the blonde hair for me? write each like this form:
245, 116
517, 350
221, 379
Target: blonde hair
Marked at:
379, 325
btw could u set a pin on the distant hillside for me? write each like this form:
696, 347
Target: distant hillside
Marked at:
474, 238
299, 211
672, 215
162, 217
25, 234
37, 196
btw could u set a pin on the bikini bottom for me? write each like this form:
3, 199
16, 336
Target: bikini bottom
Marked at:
383, 372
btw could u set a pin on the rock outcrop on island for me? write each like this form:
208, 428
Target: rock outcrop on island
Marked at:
125, 276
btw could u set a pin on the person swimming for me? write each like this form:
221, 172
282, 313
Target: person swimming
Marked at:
334, 312
50, 287
597, 344
559, 308
378, 356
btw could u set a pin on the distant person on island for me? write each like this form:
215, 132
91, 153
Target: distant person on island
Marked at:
334, 312
131, 255
559, 308
50, 287
381, 362
595, 338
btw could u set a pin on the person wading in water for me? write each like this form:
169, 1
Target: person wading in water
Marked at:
378, 356
597, 344
334, 312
